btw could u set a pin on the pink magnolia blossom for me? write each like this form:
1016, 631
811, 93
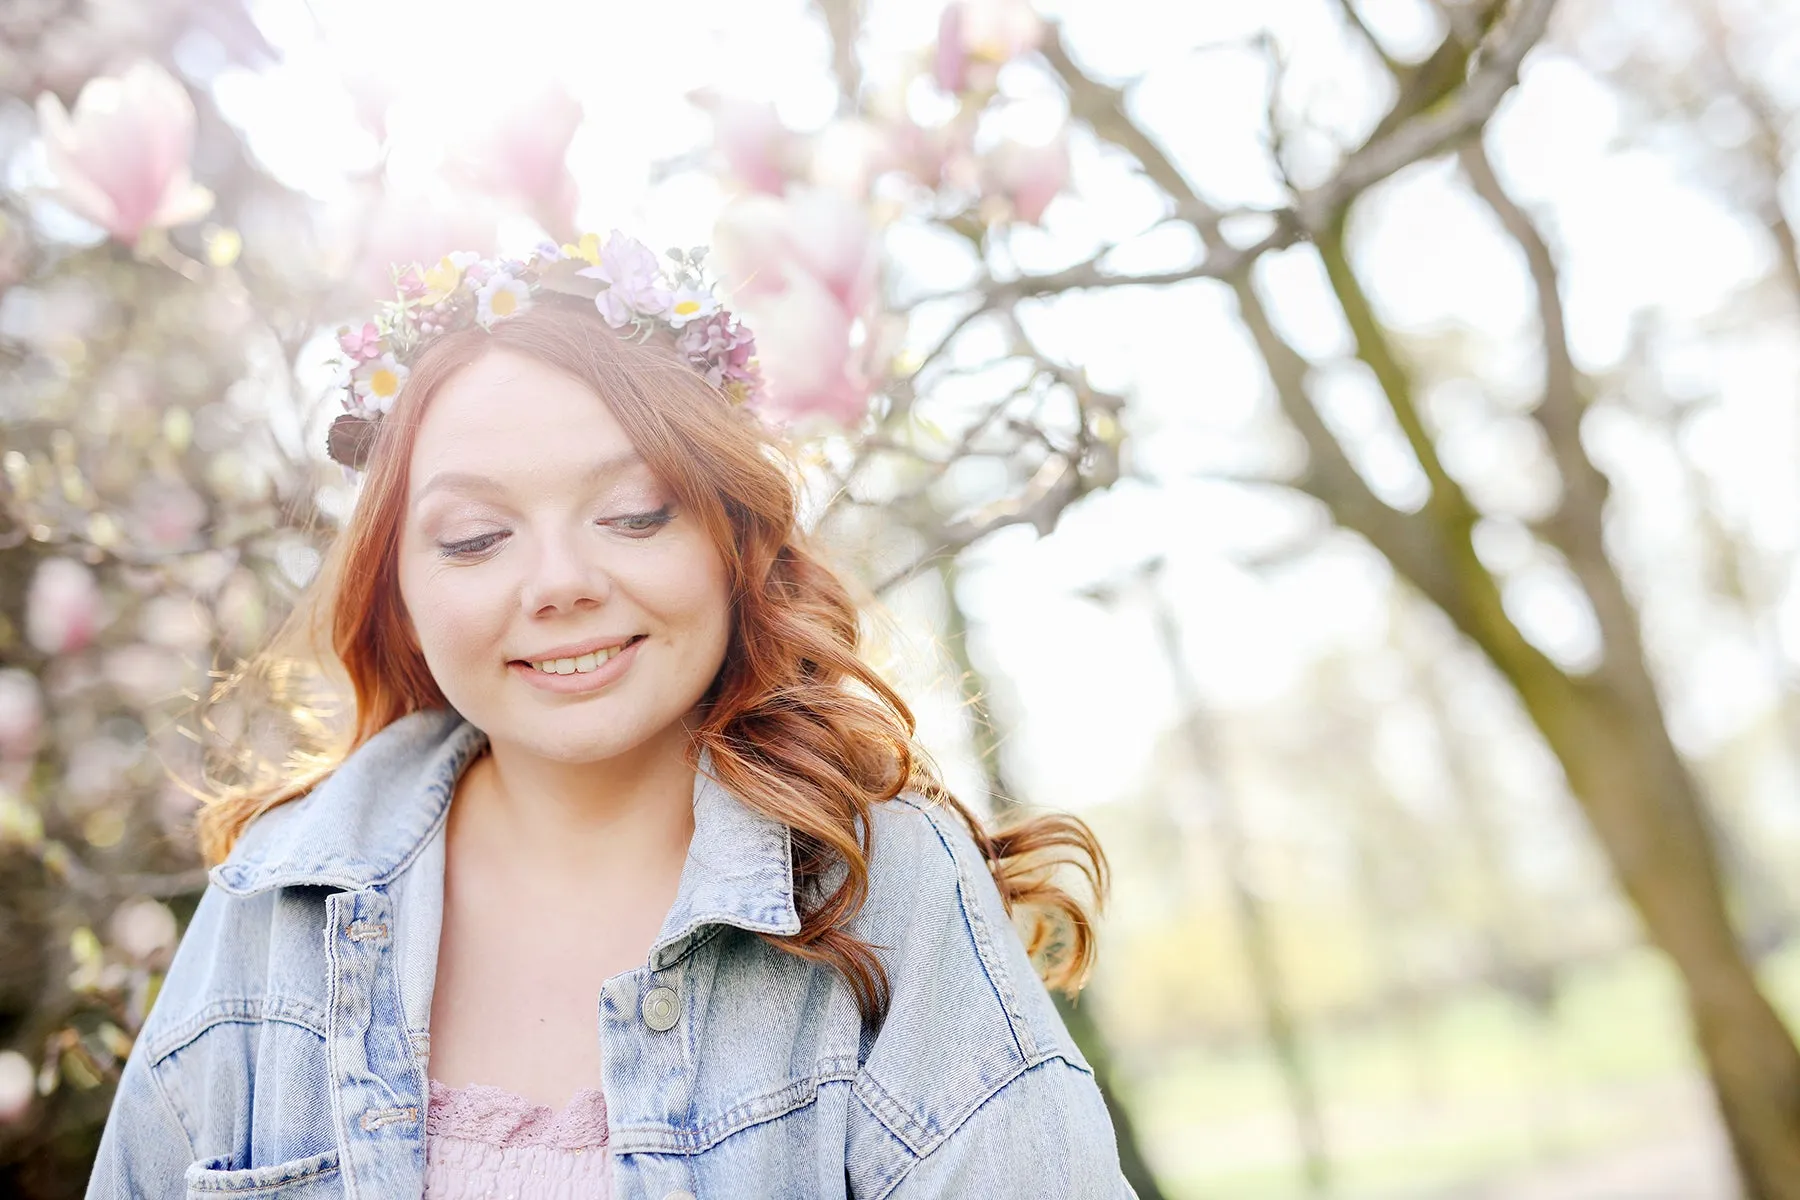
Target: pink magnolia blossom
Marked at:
121, 159
977, 37
758, 240
850, 153
950, 61
802, 270
62, 606
803, 341
18, 1086
1027, 177
758, 149
524, 152
415, 229
144, 929
165, 515
21, 714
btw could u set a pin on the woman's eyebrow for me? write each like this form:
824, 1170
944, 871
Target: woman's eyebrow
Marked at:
469, 481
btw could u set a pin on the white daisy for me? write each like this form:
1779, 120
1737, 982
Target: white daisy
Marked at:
501, 297
378, 381
690, 304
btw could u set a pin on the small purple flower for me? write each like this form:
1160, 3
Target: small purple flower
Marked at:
721, 348
634, 283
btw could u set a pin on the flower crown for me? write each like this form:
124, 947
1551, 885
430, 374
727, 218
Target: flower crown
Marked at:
623, 279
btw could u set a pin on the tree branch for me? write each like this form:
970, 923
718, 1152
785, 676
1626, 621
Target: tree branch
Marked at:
1437, 127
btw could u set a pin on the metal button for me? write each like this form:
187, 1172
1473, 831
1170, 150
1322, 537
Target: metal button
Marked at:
679, 1194
661, 1010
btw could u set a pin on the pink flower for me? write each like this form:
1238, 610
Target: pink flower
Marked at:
850, 153
950, 63
21, 714
806, 356
144, 929
165, 515
365, 343
978, 37
758, 238
18, 1085
721, 348
414, 229
62, 606
524, 152
121, 159
758, 149
1027, 177
802, 270
635, 286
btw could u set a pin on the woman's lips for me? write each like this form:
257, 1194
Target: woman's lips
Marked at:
600, 677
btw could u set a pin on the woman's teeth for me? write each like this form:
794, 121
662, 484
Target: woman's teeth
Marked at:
577, 666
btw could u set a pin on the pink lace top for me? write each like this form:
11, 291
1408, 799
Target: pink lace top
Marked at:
482, 1141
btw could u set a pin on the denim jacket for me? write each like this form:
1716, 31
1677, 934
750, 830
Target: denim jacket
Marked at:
285, 1057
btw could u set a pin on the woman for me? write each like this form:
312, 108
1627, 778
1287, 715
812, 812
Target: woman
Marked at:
630, 881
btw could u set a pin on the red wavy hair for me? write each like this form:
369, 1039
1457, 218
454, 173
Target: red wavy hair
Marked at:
799, 726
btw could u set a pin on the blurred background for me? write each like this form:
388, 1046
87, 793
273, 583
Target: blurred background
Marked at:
1345, 450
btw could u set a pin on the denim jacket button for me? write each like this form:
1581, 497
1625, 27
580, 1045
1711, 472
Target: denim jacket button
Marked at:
679, 1194
661, 1010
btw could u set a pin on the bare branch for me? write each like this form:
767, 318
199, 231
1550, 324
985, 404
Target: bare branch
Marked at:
843, 21
1354, 19
1439, 128
1768, 142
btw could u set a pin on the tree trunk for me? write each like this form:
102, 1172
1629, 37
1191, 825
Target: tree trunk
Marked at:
1646, 809
1080, 1021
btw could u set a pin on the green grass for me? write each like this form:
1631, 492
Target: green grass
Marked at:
1474, 1089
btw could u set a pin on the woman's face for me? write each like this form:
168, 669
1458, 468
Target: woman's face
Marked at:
533, 534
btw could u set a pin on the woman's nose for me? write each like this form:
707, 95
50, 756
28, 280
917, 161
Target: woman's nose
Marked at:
565, 575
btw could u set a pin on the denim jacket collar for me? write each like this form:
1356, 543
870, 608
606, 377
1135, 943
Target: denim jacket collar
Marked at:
368, 821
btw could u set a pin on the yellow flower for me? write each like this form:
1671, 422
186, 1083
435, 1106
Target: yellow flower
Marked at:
588, 250
441, 281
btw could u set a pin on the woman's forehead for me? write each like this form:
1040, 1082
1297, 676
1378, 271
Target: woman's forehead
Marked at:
593, 472
513, 413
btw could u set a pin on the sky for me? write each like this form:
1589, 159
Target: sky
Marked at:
1087, 690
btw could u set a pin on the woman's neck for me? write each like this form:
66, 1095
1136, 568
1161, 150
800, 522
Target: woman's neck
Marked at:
617, 819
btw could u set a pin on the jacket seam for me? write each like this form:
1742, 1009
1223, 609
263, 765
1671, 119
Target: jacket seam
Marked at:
333, 1000
757, 1110
437, 821
982, 936
1055, 1056
156, 1085
244, 1011
700, 934
367, 875
916, 1137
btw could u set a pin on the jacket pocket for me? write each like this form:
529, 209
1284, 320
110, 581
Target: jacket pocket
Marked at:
301, 1179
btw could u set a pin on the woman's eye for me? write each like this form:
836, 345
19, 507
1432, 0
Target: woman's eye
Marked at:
470, 548
635, 525
645, 524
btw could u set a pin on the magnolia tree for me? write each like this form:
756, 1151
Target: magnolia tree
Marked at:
813, 204
165, 494
165, 498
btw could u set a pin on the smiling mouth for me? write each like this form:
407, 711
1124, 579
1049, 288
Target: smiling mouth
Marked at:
581, 664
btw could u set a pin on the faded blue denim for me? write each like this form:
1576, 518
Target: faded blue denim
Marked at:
285, 1058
